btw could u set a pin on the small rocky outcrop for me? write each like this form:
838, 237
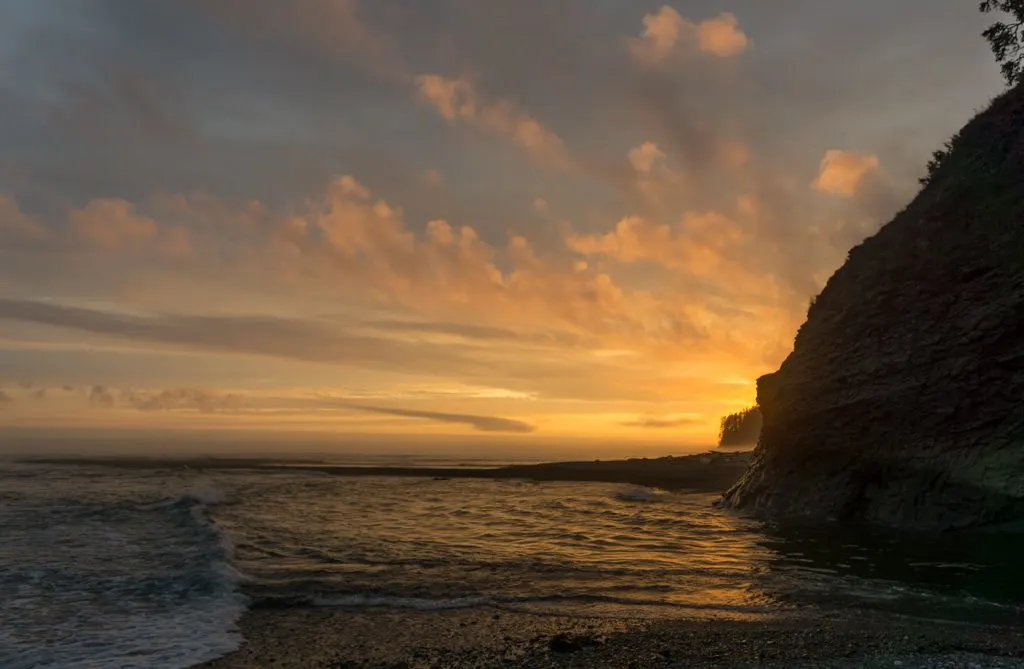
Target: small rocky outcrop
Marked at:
903, 400
740, 429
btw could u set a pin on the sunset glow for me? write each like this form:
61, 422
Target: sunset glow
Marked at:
412, 219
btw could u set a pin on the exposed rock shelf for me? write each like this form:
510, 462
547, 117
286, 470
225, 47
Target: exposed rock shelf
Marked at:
704, 472
903, 400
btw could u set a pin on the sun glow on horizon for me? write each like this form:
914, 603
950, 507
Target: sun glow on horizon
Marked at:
433, 240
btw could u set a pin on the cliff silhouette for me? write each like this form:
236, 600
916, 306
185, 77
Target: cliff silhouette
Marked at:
902, 402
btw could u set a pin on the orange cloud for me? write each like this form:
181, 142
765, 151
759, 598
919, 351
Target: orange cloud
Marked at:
722, 36
665, 29
18, 226
111, 223
842, 171
634, 239
458, 100
696, 244
433, 178
655, 179
643, 157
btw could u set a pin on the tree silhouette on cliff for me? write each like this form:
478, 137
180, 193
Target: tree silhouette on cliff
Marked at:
741, 428
1007, 37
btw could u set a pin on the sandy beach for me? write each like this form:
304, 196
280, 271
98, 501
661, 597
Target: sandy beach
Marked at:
322, 638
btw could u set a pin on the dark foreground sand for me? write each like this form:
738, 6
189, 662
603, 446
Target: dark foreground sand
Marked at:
342, 639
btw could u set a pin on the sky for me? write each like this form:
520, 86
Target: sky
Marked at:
590, 220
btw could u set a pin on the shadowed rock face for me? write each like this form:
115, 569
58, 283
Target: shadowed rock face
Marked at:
903, 400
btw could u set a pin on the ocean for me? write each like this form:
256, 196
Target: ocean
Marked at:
103, 567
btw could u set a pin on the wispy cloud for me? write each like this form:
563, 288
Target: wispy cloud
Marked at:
457, 100
602, 207
841, 172
183, 399
254, 335
482, 423
662, 423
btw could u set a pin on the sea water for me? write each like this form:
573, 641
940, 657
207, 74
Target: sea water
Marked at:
105, 567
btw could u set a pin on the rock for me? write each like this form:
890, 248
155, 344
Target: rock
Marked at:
564, 642
902, 403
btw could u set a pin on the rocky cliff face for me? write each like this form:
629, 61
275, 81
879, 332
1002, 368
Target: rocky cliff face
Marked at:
903, 400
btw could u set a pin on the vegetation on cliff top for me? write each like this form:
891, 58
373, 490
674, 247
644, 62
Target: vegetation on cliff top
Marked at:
741, 428
1007, 37
1007, 41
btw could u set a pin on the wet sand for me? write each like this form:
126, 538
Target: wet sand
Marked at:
309, 638
704, 472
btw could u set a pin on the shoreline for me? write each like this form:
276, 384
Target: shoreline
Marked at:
703, 472
322, 638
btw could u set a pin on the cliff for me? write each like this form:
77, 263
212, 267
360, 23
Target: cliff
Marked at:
902, 402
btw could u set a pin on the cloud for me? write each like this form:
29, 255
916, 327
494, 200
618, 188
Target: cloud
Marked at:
122, 99
481, 423
5, 399
254, 335
336, 28
16, 226
474, 332
112, 224
99, 396
634, 239
643, 157
722, 36
662, 423
464, 330
201, 401
433, 178
698, 241
457, 100
185, 399
520, 364
841, 172
666, 28
360, 248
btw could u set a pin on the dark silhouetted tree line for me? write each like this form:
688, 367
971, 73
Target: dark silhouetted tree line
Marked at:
740, 429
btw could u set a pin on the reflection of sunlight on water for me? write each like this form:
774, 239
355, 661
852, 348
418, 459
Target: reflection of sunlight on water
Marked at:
599, 548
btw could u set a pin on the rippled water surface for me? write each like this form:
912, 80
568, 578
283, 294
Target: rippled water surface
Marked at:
103, 567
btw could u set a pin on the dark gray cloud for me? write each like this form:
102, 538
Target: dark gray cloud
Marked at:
322, 342
471, 331
263, 99
255, 335
277, 96
99, 396
482, 423
466, 330
206, 401
184, 399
